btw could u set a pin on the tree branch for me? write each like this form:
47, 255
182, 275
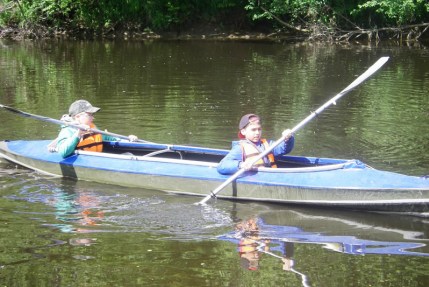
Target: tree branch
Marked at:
283, 22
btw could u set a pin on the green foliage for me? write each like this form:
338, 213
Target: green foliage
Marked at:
46, 12
395, 12
165, 14
341, 13
6, 14
96, 14
296, 11
174, 14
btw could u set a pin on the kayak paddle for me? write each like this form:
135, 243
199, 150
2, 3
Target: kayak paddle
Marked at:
59, 122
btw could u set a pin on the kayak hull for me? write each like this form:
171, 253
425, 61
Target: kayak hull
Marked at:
192, 171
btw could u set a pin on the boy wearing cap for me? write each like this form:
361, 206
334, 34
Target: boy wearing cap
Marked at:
250, 146
71, 138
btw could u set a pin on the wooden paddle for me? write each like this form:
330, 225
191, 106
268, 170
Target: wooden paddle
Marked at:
371, 70
59, 122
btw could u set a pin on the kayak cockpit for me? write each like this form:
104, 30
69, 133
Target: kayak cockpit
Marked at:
201, 155
165, 151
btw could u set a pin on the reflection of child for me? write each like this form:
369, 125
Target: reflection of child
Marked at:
247, 227
248, 251
75, 210
249, 243
89, 217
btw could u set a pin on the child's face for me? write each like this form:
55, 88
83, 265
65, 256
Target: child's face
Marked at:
85, 118
252, 132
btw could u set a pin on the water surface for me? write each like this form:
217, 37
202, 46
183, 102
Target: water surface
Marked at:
66, 233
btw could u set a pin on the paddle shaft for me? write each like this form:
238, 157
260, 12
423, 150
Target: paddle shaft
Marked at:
371, 70
59, 122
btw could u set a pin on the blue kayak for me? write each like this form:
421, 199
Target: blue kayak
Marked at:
192, 170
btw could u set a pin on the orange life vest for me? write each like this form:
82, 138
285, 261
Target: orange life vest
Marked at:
91, 142
250, 150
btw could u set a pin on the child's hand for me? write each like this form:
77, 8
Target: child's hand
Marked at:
83, 130
133, 138
247, 165
287, 134
52, 147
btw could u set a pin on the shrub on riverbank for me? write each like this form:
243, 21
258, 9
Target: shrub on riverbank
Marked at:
334, 20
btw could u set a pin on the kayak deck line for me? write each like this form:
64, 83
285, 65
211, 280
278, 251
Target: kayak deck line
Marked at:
347, 164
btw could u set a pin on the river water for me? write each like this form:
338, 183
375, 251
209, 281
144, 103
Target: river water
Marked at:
58, 232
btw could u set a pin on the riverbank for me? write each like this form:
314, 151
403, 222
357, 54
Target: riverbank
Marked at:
202, 33
198, 33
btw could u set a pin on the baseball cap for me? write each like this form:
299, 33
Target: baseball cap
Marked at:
247, 119
82, 106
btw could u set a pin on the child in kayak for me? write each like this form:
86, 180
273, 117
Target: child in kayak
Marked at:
251, 145
70, 138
